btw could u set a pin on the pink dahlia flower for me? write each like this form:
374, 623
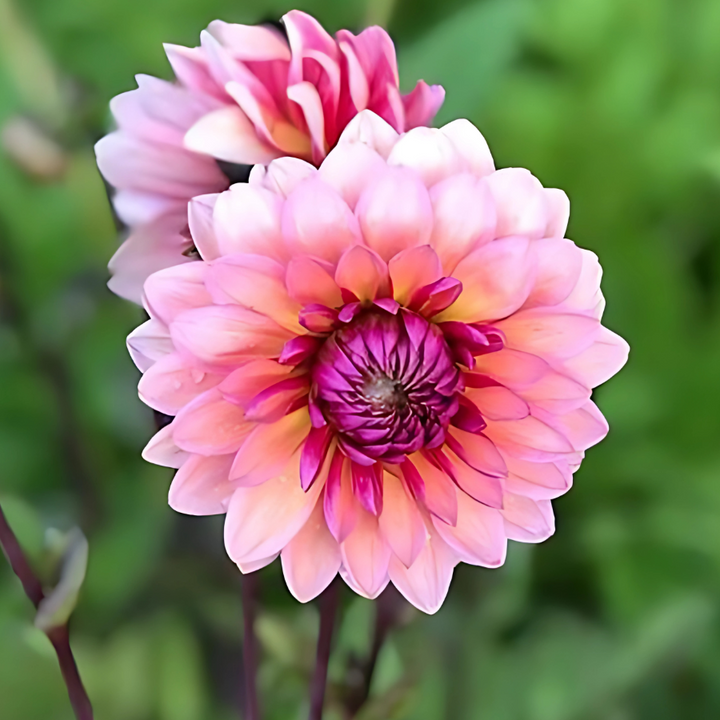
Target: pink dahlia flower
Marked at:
247, 95
381, 367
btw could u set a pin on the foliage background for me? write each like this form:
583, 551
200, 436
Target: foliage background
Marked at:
616, 617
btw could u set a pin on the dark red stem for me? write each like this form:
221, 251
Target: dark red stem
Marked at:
58, 636
328, 611
249, 585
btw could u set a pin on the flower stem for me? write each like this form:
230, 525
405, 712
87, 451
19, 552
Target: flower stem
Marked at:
388, 608
328, 611
58, 636
249, 585
79, 700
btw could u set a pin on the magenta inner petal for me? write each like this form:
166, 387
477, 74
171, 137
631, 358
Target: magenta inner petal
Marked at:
388, 385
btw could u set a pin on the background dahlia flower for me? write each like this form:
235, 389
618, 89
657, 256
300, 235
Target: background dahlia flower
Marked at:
247, 95
381, 367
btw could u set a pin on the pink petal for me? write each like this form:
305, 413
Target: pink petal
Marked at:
127, 161
263, 519
340, 503
395, 213
257, 283
149, 343
527, 520
223, 335
200, 220
251, 42
427, 582
313, 455
305, 33
486, 489
477, 451
228, 134
282, 176
363, 273
191, 69
269, 448
422, 104
317, 221
309, 283
243, 384
429, 152
247, 220
586, 297
210, 425
520, 202
371, 130
135, 207
601, 360
349, 168
413, 269
512, 368
464, 218
496, 280
162, 450
478, 538
440, 491
539, 481
548, 334
171, 383
149, 248
201, 486
558, 209
558, 268
583, 427
400, 521
366, 556
305, 94
367, 485
471, 145
357, 80
274, 402
160, 111
311, 559
529, 439
498, 403
173, 290
556, 393
254, 565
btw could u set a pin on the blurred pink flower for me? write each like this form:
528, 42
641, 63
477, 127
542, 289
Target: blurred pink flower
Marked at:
381, 367
247, 95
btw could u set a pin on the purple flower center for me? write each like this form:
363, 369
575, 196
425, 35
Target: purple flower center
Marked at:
388, 385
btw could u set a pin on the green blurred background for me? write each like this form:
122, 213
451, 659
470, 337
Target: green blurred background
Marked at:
616, 617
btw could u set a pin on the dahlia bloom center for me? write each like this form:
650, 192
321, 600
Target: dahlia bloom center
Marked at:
388, 384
